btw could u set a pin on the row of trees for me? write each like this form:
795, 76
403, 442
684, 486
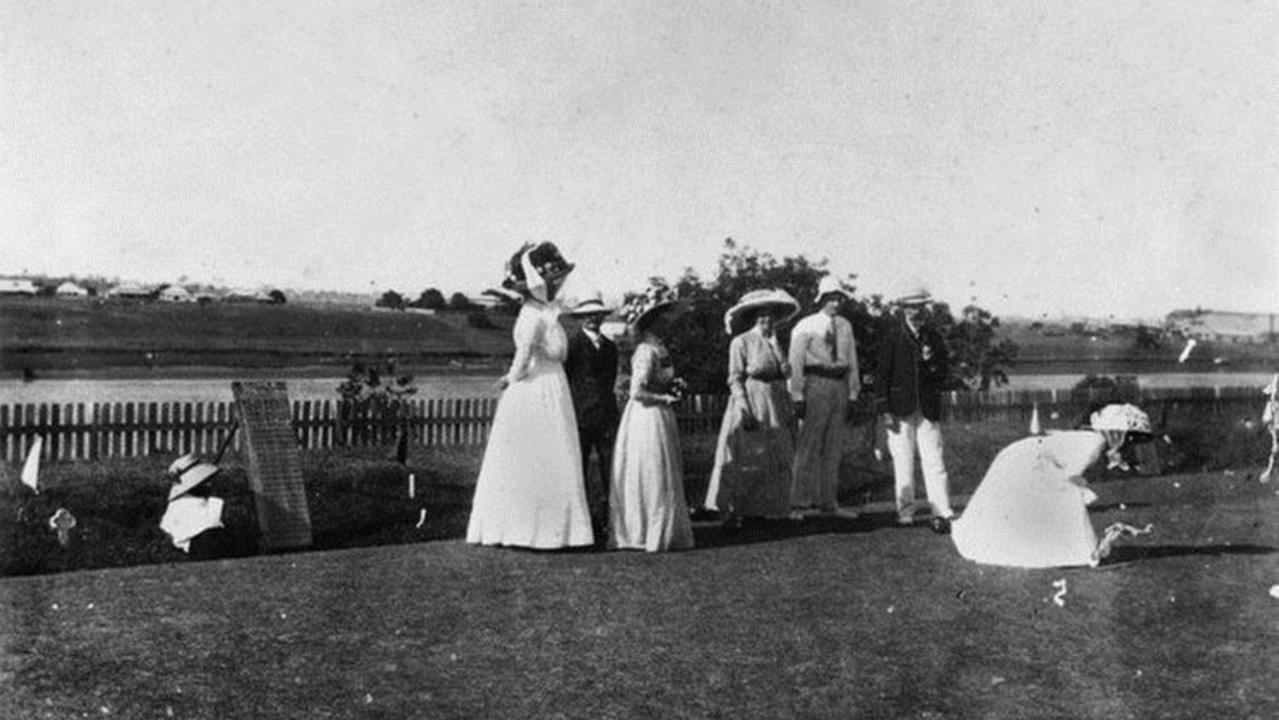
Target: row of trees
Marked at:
979, 359
430, 299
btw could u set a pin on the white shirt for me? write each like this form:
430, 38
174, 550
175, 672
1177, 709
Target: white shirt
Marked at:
188, 516
811, 344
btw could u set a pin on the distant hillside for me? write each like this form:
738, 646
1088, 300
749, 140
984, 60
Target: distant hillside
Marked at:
46, 333
1093, 348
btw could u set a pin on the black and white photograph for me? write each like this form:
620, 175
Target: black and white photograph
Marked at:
671, 359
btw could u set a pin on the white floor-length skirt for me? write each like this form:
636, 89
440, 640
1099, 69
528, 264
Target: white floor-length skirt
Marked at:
530, 492
647, 509
1029, 510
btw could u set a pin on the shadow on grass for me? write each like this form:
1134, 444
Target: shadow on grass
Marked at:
711, 534
1131, 553
1117, 506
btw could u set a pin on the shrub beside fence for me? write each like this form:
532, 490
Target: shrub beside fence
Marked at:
102, 430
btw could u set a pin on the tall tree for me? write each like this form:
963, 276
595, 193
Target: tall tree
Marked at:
700, 346
431, 299
391, 299
459, 301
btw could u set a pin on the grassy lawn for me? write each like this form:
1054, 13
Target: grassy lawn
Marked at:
358, 496
828, 618
833, 619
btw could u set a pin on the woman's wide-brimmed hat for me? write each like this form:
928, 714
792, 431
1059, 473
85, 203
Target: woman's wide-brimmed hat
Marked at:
533, 266
829, 285
1121, 418
641, 310
592, 306
190, 473
739, 317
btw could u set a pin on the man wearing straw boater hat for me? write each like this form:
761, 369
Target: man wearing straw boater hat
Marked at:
591, 367
824, 382
912, 369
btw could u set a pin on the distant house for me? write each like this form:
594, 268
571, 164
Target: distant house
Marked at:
244, 295
70, 289
176, 293
484, 301
17, 286
129, 292
1231, 327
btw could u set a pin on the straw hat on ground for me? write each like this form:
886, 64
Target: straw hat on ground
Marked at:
739, 317
190, 473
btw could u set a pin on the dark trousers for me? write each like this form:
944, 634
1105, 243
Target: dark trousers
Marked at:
598, 438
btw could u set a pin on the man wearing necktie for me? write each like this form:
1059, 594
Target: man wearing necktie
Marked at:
591, 367
912, 369
824, 382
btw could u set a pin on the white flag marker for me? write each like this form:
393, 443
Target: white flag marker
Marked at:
1185, 352
31, 468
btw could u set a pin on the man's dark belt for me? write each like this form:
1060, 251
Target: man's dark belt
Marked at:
767, 377
838, 373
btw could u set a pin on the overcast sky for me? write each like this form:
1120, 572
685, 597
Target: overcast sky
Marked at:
1103, 158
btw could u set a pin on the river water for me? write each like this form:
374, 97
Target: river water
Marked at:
214, 390
63, 391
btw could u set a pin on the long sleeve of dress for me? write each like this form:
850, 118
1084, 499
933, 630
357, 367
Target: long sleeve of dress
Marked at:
642, 370
527, 334
737, 368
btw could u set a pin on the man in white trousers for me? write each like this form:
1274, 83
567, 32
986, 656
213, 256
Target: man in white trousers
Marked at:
912, 370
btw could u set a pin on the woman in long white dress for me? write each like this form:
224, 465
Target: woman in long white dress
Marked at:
756, 448
530, 492
647, 509
1031, 509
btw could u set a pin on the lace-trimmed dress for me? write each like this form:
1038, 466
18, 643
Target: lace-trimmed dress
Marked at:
647, 509
530, 492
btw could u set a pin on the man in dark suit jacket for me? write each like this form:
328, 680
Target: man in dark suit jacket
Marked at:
912, 370
591, 367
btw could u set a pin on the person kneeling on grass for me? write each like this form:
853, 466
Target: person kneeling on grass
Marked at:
1031, 507
193, 518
